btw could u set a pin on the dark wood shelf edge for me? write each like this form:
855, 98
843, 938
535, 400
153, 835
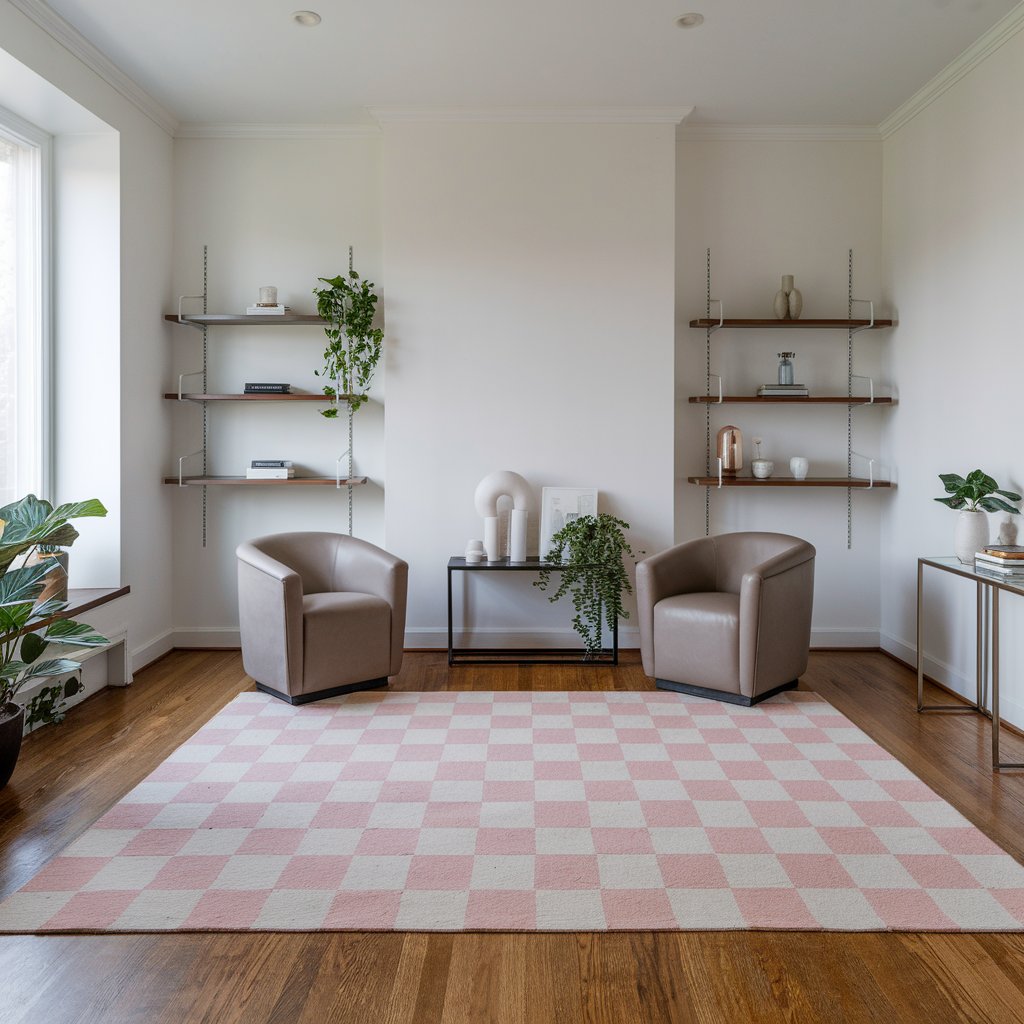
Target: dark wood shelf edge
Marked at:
241, 481
197, 396
242, 319
860, 483
805, 325
792, 400
80, 600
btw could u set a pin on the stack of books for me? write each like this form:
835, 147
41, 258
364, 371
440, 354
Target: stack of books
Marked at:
778, 390
267, 388
1003, 561
267, 309
270, 469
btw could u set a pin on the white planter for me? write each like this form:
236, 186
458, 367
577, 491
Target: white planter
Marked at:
971, 535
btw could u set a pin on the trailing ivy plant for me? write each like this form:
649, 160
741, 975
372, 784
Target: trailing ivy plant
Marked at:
349, 304
49, 705
592, 549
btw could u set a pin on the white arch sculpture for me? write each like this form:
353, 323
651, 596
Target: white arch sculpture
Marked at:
488, 491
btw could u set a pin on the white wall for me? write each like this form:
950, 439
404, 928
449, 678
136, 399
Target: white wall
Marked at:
282, 212
768, 207
954, 221
144, 219
530, 277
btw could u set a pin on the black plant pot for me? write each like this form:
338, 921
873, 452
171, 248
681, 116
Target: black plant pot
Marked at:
12, 725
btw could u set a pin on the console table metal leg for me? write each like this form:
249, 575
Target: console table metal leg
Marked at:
451, 656
957, 709
996, 763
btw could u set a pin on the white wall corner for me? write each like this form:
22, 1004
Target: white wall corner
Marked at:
975, 54
76, 44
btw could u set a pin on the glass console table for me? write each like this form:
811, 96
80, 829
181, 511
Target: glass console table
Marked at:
988, 588
519, 655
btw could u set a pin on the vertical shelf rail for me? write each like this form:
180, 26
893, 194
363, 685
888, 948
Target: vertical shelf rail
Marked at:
707, 391
206, 422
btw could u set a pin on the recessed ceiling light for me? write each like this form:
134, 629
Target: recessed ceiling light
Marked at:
307, 18
690, 20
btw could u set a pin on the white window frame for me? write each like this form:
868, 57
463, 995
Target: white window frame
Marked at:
35, 293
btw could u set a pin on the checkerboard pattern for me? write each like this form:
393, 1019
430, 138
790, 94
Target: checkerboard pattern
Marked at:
535, 811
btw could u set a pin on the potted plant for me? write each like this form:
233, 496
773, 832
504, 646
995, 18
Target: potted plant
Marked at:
349, 304
973, 496
592, 549
27, 624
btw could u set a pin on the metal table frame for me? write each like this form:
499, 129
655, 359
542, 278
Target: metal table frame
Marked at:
520, 655
987, 588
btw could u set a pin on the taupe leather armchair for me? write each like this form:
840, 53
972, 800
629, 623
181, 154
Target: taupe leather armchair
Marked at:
727, 617
320, 614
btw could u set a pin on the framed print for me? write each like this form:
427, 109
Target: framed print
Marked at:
560, 505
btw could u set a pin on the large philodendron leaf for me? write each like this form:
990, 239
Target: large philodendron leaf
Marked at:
55, 667
24, 583
24, 529
64, 631
13, 617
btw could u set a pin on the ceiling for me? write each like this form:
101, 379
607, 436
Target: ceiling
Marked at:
820, 62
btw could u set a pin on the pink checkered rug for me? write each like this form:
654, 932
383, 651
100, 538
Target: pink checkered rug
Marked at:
535, 811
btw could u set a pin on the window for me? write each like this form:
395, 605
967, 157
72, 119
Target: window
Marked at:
24, 314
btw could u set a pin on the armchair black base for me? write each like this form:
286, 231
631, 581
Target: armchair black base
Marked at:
727, 698
334, 691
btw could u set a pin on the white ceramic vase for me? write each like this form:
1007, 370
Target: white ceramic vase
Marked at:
971, 535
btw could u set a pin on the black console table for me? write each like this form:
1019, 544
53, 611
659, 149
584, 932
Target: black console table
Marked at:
520, 655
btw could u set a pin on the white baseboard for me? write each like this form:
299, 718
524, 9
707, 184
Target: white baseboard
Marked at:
428, 638
952, 677
844, 638
436, 638
208, 636
152, 649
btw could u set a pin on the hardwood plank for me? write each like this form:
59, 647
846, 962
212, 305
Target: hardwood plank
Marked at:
69, 775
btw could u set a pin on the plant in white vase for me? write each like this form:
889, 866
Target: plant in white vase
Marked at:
973, 496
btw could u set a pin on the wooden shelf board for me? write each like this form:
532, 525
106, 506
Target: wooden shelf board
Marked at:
243, 320
793, 399
791, 325
198, 396
241, 481
785, 481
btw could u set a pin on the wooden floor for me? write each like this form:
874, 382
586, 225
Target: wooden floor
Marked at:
69, 775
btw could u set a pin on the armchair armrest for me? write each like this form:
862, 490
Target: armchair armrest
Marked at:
270, 619
684, 569
364, 568
776, 599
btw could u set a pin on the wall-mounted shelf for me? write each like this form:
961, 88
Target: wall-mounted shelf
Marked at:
344, 479
241, 481
198, 396
201, 320
791, 325
783, 481
791, 400
850, 326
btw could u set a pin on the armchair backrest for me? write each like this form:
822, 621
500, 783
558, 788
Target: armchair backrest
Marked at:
738, 553
311, 555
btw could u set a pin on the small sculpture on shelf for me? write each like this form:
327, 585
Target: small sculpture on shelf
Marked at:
761, 468
789, 303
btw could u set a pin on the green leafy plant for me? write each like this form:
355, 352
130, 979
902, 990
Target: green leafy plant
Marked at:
26, 525
48, 706
975, 493
593, 550
353, 348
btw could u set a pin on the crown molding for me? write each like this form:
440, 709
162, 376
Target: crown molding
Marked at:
781, 132
46, 18
530, 115
1001, 32
276, 131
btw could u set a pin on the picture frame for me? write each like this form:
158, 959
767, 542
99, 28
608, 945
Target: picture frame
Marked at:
559, 505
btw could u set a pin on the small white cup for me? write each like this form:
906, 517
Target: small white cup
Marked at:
268, 294
762, 468
798, 466
475, 551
